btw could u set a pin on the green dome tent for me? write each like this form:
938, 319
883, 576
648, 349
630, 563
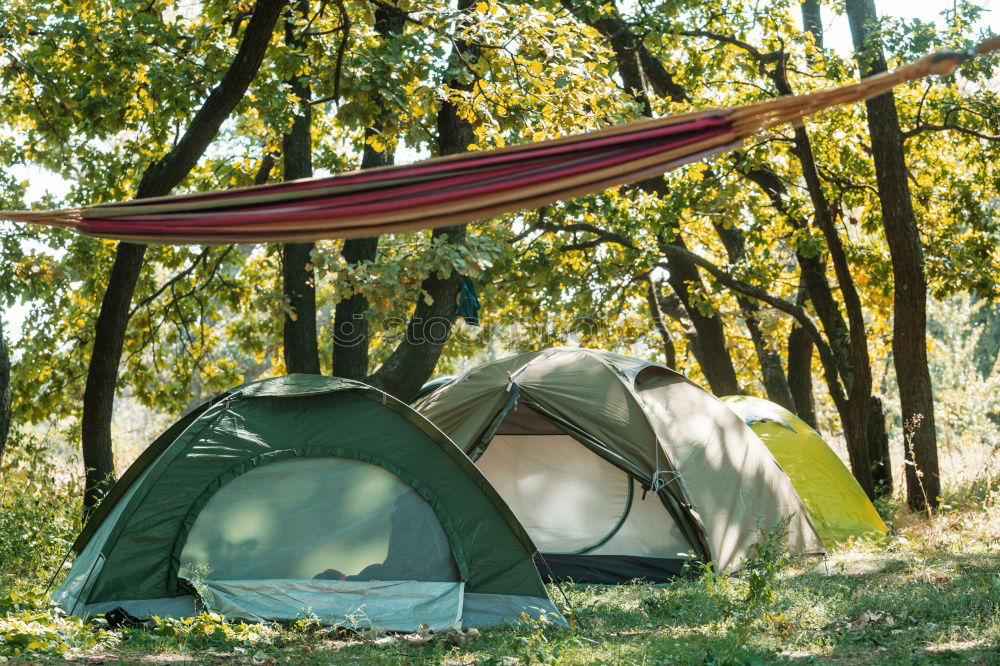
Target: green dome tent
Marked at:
617, 468
837, 505
306, 495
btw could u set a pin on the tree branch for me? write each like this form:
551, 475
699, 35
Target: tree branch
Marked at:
932, 127
799, 314
167, 172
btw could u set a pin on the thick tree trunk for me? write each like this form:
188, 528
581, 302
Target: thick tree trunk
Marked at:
161, 177
300, 344
298, 280
4, 392
102, 374
639, 71
351, 333
799, 363
413, 360
812, 20
909, 333
800, 352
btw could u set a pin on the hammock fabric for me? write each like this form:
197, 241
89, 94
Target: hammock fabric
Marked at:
470, 186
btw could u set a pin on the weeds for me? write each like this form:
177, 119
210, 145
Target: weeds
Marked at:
38, 514
928, 593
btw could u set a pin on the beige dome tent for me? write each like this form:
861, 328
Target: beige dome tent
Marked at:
618, 468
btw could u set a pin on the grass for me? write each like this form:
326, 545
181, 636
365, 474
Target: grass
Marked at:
928, 593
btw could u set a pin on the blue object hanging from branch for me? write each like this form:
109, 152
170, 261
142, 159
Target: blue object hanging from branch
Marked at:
468, 302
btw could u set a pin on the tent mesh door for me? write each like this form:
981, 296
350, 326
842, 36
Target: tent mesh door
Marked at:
330, 518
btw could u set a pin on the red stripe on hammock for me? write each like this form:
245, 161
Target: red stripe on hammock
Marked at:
474, 160
388, 199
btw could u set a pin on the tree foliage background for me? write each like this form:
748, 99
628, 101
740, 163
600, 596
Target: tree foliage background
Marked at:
95, 91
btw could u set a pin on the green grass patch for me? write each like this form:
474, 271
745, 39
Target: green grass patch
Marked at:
929, 593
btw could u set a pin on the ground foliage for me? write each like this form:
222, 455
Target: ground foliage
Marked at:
927, 593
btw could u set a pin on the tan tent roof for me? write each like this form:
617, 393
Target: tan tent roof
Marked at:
719, 481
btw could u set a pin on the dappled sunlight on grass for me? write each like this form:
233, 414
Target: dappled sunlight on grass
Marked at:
929, 592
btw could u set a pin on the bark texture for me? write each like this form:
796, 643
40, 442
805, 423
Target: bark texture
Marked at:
298, 279
799, 363
4, 393
909, 334
642, 73
351, 329
812, 20
800, 351
161, 177
413, 360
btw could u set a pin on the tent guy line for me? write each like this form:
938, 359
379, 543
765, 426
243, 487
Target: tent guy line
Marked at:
469, 186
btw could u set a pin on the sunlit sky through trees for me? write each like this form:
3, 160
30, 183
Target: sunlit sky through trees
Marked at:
837, 36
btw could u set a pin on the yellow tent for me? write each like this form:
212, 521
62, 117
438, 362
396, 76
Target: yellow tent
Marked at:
837, 506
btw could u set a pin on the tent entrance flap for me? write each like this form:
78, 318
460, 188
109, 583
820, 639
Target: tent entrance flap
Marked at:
548, 480
326, 518
395, 605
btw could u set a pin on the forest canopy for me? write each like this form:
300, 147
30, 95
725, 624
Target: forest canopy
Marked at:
818, 265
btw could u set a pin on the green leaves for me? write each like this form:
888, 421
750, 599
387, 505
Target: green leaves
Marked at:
95, 91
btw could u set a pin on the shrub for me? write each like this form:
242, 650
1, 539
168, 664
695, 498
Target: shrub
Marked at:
39, 516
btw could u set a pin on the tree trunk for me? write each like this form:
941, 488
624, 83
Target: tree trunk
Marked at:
4, 393
161, 177
800, 352
812, 20
800, 381
413, 360
102, 374
351, 334
771, 370
714, 359
909, 333
298, 280
671, 306
878, 445
653, 302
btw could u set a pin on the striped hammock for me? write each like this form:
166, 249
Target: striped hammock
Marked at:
466, 187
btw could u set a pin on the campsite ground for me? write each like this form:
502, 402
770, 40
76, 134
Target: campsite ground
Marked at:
928, 593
